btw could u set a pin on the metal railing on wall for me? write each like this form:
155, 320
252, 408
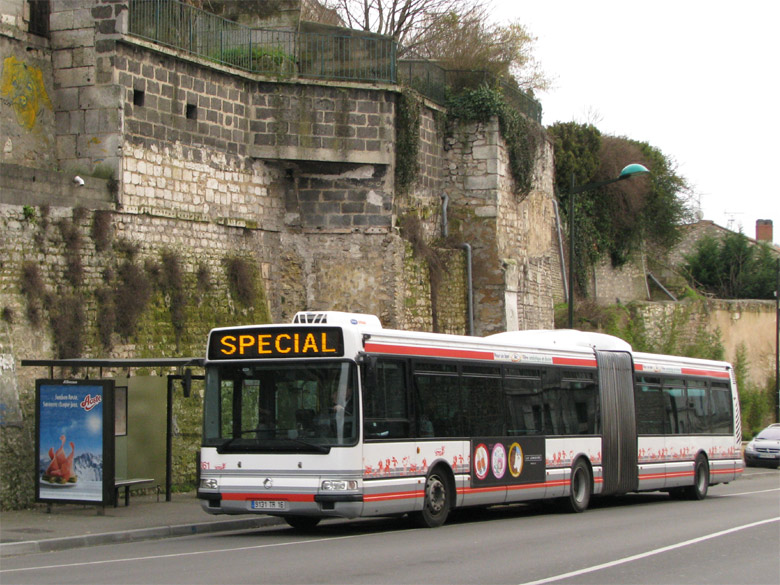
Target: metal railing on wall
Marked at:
346, 56
351, 57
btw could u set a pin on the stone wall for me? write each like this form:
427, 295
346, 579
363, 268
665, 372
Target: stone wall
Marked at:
27, 116
188, 166
740, 325
515, 246
624, 284
88, 102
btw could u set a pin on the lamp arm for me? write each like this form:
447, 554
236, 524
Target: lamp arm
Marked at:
589, 186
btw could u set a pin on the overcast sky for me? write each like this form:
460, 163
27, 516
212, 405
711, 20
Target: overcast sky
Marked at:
697, 79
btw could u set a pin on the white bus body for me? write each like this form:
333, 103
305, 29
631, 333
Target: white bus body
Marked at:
430, 422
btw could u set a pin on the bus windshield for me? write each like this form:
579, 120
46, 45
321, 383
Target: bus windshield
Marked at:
289, 407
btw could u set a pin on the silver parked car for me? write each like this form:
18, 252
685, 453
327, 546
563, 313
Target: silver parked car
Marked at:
764, 449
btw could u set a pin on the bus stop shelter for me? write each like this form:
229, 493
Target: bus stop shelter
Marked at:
148, 400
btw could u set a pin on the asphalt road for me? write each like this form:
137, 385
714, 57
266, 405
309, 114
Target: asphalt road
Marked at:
733, 536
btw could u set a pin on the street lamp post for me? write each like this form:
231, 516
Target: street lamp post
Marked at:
627, 172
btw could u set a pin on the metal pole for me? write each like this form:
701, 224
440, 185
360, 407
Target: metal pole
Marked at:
571, 254
470, 288
169, 441
777, 345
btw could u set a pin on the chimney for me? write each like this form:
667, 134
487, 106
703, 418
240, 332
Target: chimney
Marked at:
764, 230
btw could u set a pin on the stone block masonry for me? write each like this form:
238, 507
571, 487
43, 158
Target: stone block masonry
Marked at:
322, 123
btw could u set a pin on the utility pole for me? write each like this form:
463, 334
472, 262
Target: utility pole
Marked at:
777, 345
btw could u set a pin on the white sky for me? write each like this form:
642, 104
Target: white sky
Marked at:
699, 80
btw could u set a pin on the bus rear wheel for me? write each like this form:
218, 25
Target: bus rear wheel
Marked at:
701, 480
438, 503
302, 523
581, 488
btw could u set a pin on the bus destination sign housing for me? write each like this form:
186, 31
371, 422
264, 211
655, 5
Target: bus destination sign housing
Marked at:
252, 343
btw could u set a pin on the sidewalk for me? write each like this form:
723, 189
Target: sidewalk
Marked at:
72, 526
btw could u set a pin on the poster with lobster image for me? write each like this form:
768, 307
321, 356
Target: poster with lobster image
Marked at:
74, 441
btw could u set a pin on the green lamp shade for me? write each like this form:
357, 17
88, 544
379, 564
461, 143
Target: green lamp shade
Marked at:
633, 169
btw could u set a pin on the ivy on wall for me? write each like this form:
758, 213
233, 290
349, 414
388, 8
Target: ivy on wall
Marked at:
147, 299
407, 142
522, 136
129, 289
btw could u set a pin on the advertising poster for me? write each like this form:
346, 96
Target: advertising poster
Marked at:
74, 441
508, 460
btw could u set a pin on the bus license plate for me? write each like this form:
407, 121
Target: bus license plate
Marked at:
269, 505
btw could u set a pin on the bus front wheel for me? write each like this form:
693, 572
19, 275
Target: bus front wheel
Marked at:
437, 503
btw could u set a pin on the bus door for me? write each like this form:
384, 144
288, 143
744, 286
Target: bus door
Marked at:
618, 422
390, 455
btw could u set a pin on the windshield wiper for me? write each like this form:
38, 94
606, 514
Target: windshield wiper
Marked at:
269, 442
237, 436
315, 446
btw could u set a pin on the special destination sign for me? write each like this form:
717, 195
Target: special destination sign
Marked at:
252, 343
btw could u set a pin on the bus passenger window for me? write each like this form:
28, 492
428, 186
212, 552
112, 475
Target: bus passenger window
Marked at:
439, 401
676, 413
698, 408
721, 414
650, 411
524, 399
385, 405
485, 414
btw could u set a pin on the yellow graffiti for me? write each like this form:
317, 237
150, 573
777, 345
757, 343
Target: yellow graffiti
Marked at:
23, 85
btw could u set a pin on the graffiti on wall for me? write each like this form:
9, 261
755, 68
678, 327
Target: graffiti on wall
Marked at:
22, 86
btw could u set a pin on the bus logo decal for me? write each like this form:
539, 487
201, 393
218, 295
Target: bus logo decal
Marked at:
481, 461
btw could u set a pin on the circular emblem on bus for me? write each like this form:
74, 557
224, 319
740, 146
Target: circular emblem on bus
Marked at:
481, 461
515, 460
499, 460
268, 483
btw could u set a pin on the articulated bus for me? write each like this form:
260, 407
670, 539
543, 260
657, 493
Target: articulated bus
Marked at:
334, 416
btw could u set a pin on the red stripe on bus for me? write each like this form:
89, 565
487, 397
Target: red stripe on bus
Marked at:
690, 372
392, 496
266, 497
429, 351
723, 471
561, 361
710, 373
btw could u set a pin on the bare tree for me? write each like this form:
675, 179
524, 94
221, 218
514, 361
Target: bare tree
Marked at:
457, 33
409, 22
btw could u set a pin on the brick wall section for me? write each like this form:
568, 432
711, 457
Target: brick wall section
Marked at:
88, 107
210, 159
431, 157
320, 122
341, 197
158, 91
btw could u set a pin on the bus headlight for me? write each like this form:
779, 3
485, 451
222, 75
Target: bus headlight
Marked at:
210, 483
339, 485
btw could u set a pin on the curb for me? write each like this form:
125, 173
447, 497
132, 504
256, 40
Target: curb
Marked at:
137, 535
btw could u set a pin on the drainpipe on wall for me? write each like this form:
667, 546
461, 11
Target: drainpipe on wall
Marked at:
560, 252
470, 288
445, 200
